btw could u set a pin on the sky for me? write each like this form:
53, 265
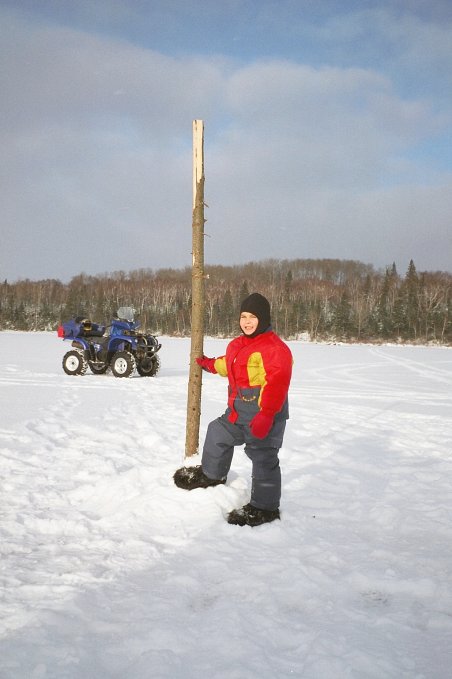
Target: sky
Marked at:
327, 133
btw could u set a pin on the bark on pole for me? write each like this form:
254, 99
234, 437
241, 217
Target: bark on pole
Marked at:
197, 308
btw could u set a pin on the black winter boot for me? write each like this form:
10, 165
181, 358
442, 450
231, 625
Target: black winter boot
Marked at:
190, 478
252, 516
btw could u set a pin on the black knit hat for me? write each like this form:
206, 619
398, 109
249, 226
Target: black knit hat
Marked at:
259, 306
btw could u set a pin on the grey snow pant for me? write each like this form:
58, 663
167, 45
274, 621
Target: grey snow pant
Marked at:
218, 451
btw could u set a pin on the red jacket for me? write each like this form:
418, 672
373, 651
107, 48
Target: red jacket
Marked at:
259, 371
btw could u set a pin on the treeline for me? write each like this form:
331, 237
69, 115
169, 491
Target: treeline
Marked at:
326, 299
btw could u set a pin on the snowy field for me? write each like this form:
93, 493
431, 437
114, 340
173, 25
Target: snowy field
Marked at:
108, 570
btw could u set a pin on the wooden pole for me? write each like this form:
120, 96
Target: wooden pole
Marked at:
197, 306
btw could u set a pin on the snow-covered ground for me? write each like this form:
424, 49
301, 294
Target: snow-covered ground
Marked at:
108, 570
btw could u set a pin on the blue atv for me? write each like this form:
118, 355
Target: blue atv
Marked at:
119, 347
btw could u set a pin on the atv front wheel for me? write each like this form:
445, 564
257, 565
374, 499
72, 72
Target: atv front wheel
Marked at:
74, 363
122, 364
149, 366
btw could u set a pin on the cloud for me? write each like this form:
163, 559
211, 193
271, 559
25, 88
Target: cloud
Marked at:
340, 128
410, 41
60, 74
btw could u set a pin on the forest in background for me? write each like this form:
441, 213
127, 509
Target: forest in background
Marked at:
317, 300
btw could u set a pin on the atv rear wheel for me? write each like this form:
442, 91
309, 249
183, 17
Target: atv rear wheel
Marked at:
122, 364
74, 363
149, 366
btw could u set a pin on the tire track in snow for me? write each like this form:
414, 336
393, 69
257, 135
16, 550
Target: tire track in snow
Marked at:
430, 372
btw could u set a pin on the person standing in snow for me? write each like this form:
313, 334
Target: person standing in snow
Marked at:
258, 365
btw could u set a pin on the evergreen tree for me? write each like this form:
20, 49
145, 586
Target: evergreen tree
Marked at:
384, 310
228, 314
342, 317
411, 299
288, 285
244, 292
